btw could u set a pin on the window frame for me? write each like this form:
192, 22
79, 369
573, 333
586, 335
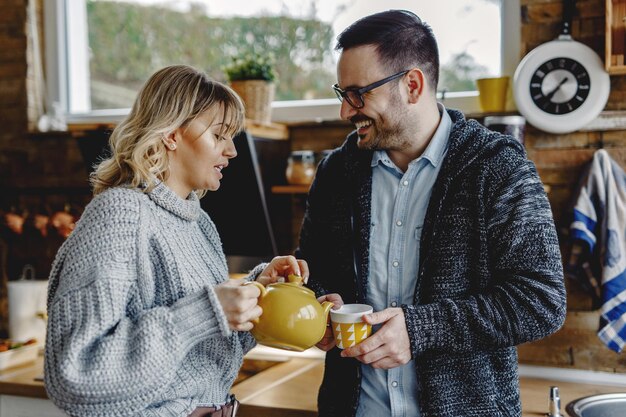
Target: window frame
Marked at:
58, 71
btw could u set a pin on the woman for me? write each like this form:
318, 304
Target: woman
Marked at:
143, 320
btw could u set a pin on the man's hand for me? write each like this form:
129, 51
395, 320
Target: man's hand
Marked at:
328, 340
389, 347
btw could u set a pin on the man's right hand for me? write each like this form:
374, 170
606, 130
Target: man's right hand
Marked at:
328, 340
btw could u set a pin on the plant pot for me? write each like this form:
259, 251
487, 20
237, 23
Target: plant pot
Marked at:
257, 96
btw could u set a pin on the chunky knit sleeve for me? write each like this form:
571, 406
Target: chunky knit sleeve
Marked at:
245, 338
102, 357
508, 288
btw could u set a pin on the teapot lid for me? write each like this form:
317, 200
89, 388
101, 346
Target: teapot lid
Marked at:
294, 282
295, 279
292, 286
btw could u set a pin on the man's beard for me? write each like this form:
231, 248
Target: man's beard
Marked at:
384, 138
387, 135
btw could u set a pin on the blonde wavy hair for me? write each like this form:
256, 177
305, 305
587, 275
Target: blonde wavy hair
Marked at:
170, 99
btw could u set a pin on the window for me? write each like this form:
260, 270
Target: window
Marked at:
101, 51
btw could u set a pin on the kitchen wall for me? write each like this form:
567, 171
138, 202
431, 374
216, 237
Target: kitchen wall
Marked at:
560, 160
12, 108
38, 173
49, 167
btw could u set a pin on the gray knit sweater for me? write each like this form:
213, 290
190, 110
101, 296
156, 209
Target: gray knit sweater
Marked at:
135, 328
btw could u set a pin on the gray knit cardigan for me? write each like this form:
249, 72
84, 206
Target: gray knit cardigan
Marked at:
490, 273
135, 328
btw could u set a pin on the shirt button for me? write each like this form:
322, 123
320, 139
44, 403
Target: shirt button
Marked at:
405, 182
399, 223
395, 263
393, 304
394, 384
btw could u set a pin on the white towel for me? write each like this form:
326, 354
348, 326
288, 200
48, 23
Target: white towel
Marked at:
600, 219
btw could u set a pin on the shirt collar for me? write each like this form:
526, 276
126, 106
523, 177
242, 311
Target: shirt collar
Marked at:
436, 149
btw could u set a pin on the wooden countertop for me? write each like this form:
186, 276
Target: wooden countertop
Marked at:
293, 386
22, 380
289, 389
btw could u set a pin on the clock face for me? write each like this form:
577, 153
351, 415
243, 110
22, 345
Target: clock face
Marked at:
560, 85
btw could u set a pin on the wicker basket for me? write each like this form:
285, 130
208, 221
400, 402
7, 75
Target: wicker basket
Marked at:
257, 95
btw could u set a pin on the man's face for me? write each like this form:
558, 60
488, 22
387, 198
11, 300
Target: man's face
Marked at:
381, 122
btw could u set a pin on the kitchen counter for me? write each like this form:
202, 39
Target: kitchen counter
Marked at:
289, 388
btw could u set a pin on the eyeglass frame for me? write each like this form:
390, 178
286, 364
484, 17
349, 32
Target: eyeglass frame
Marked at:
343, 94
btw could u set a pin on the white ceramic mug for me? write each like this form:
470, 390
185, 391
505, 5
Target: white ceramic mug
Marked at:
348, 326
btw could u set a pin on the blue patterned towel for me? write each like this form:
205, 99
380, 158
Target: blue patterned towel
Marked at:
600, 219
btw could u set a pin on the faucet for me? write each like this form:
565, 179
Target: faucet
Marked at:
555, 403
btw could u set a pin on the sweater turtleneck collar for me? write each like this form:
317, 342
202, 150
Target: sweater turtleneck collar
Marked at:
164, 197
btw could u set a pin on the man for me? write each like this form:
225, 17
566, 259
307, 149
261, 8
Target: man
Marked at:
438, 223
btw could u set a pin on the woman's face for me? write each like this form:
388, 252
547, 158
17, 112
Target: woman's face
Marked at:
200, 154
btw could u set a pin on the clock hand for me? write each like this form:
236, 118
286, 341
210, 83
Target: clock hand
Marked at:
553, 92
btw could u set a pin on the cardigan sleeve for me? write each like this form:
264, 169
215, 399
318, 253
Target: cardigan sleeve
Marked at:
524, 298
101, 358
312, 233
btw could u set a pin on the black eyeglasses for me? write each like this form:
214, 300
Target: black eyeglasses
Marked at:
354, 96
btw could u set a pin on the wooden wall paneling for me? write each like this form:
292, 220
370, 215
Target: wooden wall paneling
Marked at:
576, 345
319, 136
537, 140
614, 139
617, 98
591, 9
543, 13
577, 298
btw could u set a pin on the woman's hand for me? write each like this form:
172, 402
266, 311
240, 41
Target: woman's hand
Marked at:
281, 267
328, 340
239, 302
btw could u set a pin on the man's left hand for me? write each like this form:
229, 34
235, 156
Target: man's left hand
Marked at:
389, 347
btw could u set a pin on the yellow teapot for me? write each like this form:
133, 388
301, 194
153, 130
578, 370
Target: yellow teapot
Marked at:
292, 317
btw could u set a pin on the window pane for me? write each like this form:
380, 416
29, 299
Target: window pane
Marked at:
130, 40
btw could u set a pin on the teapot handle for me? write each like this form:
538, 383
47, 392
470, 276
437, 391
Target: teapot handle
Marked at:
263, 292
259, 286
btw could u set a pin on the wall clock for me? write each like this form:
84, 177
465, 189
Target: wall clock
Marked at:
562, 85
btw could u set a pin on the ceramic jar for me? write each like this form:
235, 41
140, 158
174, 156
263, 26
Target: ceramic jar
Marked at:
300, 168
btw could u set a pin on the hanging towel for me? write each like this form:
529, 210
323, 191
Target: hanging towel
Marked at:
600, 225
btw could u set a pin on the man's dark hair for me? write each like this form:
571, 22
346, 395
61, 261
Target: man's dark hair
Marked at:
402, 41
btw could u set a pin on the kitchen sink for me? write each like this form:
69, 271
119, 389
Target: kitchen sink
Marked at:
600, 405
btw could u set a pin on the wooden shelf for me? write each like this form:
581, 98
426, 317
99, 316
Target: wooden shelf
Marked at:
267, 131
615, 37
291, 189
270, 131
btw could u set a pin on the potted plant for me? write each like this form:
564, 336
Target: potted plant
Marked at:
252, 77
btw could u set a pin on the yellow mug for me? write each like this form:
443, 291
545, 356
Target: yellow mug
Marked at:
492, 93
348, 326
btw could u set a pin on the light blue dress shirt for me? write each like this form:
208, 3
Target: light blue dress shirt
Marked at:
399, 203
